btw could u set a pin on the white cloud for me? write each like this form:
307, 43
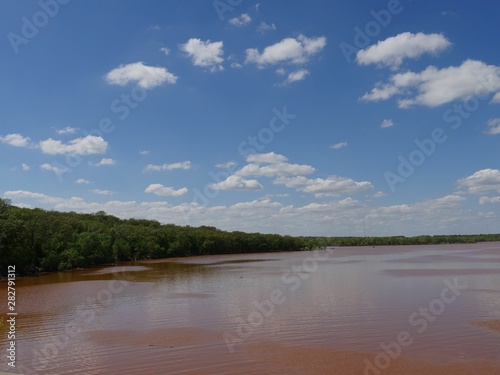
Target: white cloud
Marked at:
387, 123
275, 165
264, 27
67, 130
102, 192
205, 54
434, 87
379, 194
381, 92
493, 126
164, 191
226, 165
234, 62
289, 50
338, 146
298, 75
489, 200
237, 183
392, 51
275, 169
25, 167
87, 145
16, 140
483, 181
82, 181
104, 162
165, 50
331, 186
145, 76
144, 152
345, 217
24, 194
168, 167
270, 157
496, 98
242, 20
52, 168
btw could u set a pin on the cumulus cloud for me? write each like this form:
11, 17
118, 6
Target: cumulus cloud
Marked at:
67, 130
165, 50
270, 165
298, 75
331, 186
82, 181
168, 167
237, 183
381, 91
226, 165
489, 200
435, 216
87, 145
164, 191
392, 51
275, 169
102, 192
52, 168
265, 27
434, 87
16, 140
289, 50
493, 126
270, 157
496, 98
205, 53
104, 162
387, 123
483, 181
338, 146
147, 77
240, 21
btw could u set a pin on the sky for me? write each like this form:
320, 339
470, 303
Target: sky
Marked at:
324, 117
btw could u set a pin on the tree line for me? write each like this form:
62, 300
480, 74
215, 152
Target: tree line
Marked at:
37, 240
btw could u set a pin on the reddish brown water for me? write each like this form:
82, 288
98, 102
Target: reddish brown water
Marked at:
326, 312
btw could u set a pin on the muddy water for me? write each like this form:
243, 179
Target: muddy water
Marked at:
435, 309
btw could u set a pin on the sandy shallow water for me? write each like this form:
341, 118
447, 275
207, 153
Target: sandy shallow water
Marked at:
361, 310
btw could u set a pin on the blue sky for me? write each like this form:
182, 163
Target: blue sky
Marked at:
301, 118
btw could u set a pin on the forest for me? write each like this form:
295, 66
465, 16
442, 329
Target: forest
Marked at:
37, 240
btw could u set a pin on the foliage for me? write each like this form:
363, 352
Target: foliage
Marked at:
36, 240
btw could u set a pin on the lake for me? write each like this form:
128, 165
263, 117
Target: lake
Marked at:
356, 310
